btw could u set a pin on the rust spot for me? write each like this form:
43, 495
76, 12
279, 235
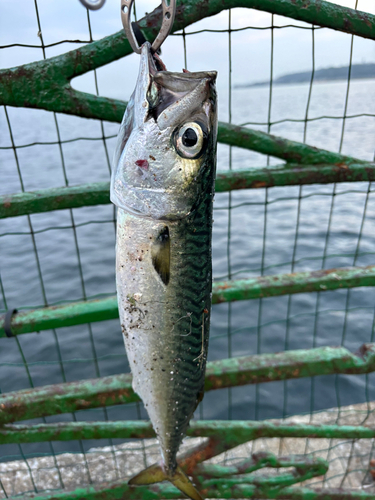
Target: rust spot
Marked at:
223, 287
7, 202
364, 18
259, 184
202, 453
347, 24
322, 272
82, 403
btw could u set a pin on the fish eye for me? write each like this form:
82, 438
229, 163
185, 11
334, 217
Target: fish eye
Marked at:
189, 140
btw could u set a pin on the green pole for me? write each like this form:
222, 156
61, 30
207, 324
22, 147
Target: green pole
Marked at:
236, 432
117, 389
77, 313
45, 200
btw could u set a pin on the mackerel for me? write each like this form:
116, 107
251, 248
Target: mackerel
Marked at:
163, 185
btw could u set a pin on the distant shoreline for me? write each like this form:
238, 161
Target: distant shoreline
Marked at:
321, 75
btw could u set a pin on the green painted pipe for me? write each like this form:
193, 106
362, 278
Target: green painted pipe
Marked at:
234, 431
263, 459
74, 313
293, 175
45, 200
77, 313
285, 284
290, 151
117, 389
299, 363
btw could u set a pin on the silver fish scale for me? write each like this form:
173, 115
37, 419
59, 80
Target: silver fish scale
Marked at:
166, 327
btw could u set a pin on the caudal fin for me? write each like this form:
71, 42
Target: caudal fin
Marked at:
155, 474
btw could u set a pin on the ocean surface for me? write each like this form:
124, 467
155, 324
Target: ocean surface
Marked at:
70, 254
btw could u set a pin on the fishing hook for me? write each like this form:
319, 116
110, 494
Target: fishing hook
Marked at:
169, 11
93, 4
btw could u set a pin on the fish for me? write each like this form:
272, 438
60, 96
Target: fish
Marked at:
163, 185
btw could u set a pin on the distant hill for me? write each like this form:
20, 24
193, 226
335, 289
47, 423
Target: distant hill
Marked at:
326, 74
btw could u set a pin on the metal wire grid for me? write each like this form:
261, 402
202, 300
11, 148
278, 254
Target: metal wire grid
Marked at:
230, 330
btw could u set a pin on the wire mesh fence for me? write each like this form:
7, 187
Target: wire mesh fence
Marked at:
62, 256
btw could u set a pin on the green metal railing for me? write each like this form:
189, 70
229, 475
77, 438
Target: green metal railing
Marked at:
89, 311
45, 200
117, 389
46, 85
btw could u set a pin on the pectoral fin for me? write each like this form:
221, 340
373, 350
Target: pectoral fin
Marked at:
155, 474
160, 255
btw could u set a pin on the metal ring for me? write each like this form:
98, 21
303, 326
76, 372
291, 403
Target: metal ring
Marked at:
93, 4
8, 322
169, 11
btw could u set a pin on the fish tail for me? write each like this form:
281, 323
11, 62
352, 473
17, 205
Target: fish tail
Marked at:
156, 474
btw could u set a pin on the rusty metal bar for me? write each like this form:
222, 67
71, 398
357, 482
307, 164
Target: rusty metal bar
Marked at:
66, 398
288, 365
211, 447
305, 468
45, 200
77, 313
117, 389
237, 432
74, 313
284, 284
290, 151
264, 459
293, 175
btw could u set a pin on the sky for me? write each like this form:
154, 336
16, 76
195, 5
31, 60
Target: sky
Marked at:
250, 54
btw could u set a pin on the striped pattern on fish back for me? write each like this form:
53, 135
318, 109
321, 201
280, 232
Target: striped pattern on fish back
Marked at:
189, 291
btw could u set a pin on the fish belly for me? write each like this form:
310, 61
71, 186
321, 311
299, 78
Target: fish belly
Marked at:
166, 326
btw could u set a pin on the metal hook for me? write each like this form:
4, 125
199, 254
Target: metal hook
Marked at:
93, 4
169, 11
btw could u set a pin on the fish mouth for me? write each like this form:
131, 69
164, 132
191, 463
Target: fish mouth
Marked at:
167, 88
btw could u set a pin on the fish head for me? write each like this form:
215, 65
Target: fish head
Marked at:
165, 156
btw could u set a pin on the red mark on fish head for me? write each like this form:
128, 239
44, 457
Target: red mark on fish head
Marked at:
142, 164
